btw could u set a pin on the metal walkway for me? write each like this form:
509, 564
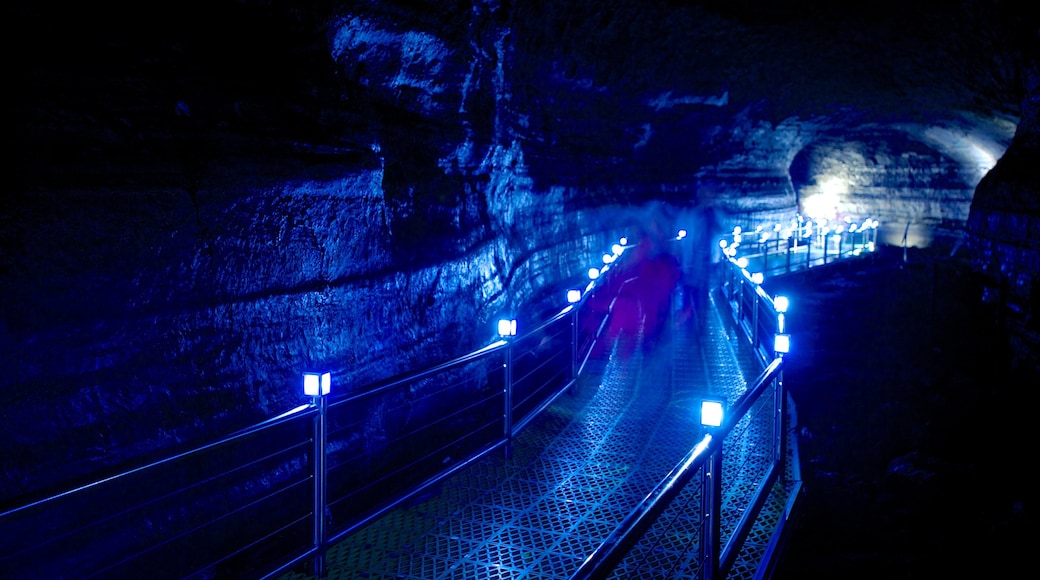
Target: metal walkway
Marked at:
575, 473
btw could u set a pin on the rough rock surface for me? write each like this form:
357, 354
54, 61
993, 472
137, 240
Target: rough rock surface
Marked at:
216, 197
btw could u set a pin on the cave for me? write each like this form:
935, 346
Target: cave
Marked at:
215, 198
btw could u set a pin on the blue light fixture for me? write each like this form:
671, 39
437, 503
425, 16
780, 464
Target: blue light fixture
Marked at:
507, 327
317, 384
712, 413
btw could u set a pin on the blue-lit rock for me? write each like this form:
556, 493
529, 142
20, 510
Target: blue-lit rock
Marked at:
214, 204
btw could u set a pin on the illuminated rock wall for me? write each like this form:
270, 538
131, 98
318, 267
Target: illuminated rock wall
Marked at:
214, 203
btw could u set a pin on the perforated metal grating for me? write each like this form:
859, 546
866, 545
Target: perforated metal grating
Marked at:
576, 473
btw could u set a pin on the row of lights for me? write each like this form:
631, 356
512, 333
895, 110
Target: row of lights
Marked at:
507, 327
320, 384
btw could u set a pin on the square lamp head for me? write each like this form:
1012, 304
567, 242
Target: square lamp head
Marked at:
317, 384
507, 327
573, 296
782, 343
712, 413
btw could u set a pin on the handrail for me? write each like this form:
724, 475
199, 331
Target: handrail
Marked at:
603, 561
746, 302
209, 514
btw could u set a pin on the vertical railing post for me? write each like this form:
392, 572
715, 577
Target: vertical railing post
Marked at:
318, 386
808, 253
780, 404
507, 330
712, 511
320, 484
508, 401
574, 343
755, 305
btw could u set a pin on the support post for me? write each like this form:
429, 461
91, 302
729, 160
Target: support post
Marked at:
320, 484
711, 495
508, 403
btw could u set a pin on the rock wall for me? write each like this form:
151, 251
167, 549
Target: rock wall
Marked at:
215, 203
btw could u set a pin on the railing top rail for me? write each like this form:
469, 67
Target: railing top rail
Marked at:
612, 550
269, 423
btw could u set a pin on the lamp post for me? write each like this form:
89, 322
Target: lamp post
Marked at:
712, 417
573, 297
781, 346
317, 386
507, 330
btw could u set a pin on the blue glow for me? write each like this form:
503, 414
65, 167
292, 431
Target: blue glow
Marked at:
712, 413
507, 327
315, 384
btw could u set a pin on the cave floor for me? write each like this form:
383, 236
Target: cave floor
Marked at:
575, 472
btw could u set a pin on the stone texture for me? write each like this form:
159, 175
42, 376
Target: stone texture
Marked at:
216, 197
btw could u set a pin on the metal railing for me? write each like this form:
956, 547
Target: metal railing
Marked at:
750, 446
274, 495
800, 246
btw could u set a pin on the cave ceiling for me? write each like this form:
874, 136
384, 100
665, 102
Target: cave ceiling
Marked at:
593, 91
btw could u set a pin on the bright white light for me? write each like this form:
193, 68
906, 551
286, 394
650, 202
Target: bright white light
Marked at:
608, 258
723, 243
736, 230
680, 235
593, 273
617, 249
780, 303
624, 241
758, 278
712, 413
731, 251
507, 327
782, 343
573, 296
315, 384
742, 262
827, 202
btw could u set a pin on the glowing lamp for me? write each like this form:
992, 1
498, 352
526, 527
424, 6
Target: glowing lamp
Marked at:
573, 296
742, 262
782, 343
723, 243
680, 235
712, 413
617, 249
507, 327
758, 278
317, 384
593, 273
780, 303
